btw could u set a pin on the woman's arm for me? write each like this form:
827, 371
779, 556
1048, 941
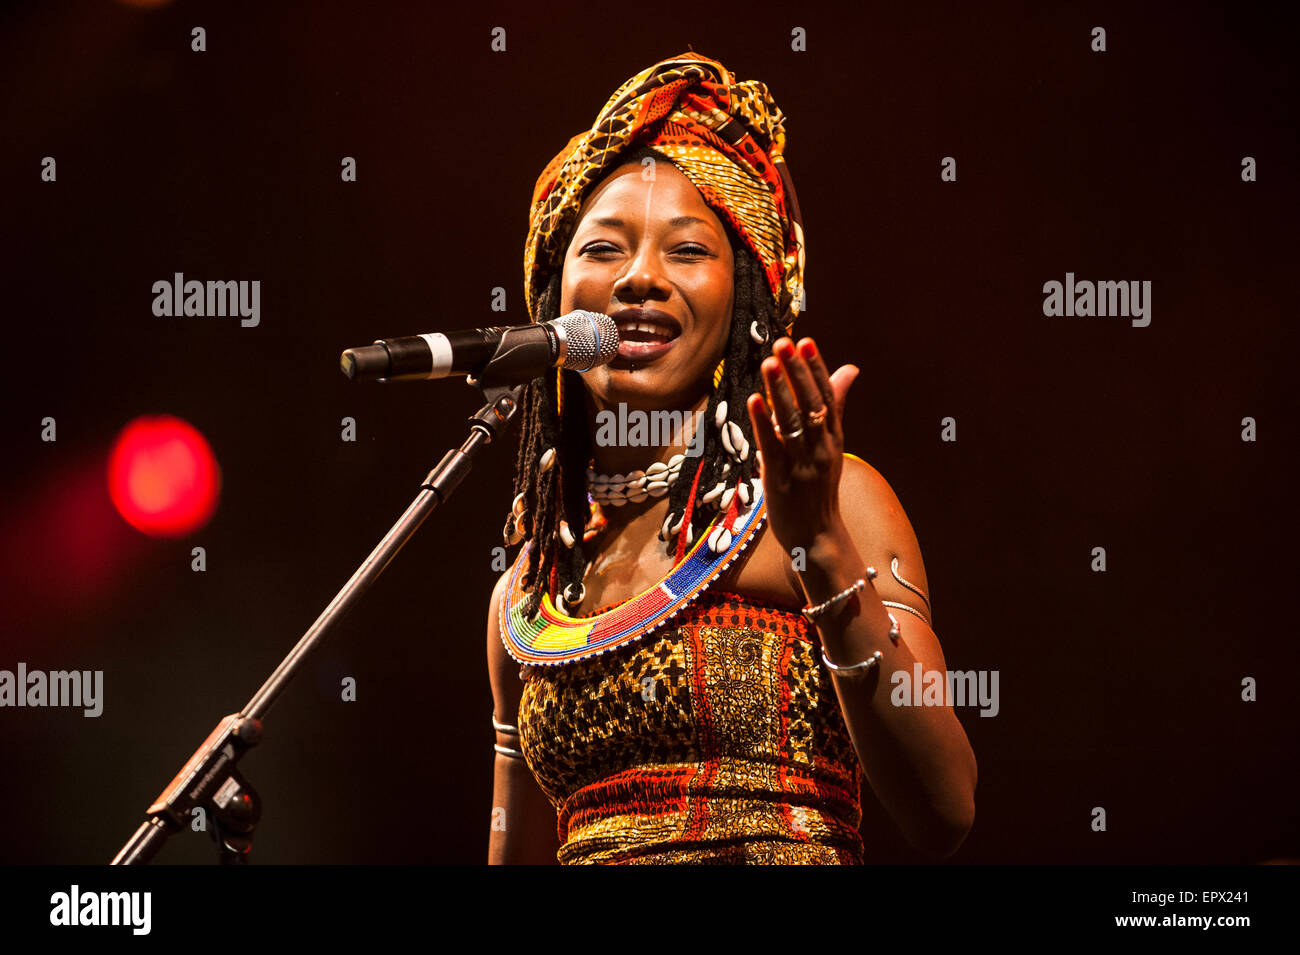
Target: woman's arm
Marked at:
523, 819
843, 516
917, 758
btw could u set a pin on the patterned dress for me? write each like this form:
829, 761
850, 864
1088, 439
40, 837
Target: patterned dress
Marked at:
716, 739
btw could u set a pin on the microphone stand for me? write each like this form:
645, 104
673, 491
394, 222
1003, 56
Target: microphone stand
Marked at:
210, 779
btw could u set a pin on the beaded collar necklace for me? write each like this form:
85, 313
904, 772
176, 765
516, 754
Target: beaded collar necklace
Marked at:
553, 637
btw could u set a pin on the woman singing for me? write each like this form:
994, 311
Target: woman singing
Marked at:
691, 654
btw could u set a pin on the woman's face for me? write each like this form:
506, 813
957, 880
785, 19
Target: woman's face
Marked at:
654, 257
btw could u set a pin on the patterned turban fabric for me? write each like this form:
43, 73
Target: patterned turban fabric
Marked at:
726, 137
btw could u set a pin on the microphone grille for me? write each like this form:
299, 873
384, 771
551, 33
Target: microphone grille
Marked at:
592, 338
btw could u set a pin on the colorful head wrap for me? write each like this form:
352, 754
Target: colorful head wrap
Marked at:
726, 137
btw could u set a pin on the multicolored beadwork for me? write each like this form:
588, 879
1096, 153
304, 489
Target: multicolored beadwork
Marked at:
553, 637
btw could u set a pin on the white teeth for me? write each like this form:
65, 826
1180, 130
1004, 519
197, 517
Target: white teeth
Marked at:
649, 328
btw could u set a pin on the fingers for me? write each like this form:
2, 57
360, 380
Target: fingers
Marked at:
807, 393
830, 401
779, 395
841, 381
814, 391
760, 416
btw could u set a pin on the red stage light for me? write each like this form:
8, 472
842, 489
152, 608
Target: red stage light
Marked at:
163, 477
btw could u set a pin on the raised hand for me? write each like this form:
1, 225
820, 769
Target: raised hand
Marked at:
800, 435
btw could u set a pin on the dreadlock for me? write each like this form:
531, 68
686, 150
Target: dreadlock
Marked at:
551, 488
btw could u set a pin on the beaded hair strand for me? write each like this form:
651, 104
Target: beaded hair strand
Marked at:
727, 456
551, 505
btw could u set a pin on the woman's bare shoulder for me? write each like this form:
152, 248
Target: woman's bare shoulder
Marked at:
503, 670
879, 525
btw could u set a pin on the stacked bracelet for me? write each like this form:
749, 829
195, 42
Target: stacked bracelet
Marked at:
857, 669
504, 727
507, 730
812, 613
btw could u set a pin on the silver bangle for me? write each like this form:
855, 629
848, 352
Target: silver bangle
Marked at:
504, 727
812, 613
912, 610
894, 632
860, 669
507, 751
857, 669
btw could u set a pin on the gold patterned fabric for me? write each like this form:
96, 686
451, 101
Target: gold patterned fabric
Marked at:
718, 739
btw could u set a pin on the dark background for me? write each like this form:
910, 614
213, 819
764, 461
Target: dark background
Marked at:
1120, 690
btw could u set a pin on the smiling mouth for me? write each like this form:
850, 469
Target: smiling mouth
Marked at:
645, 334
646, 326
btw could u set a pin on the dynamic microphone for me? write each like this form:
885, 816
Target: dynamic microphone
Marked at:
503, 354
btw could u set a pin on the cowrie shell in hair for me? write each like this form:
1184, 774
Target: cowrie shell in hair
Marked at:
726, 437
719, 540
712, 496
566, 535
738, 446
573, 595
720, 415
547, 460
517, 505
755, 334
